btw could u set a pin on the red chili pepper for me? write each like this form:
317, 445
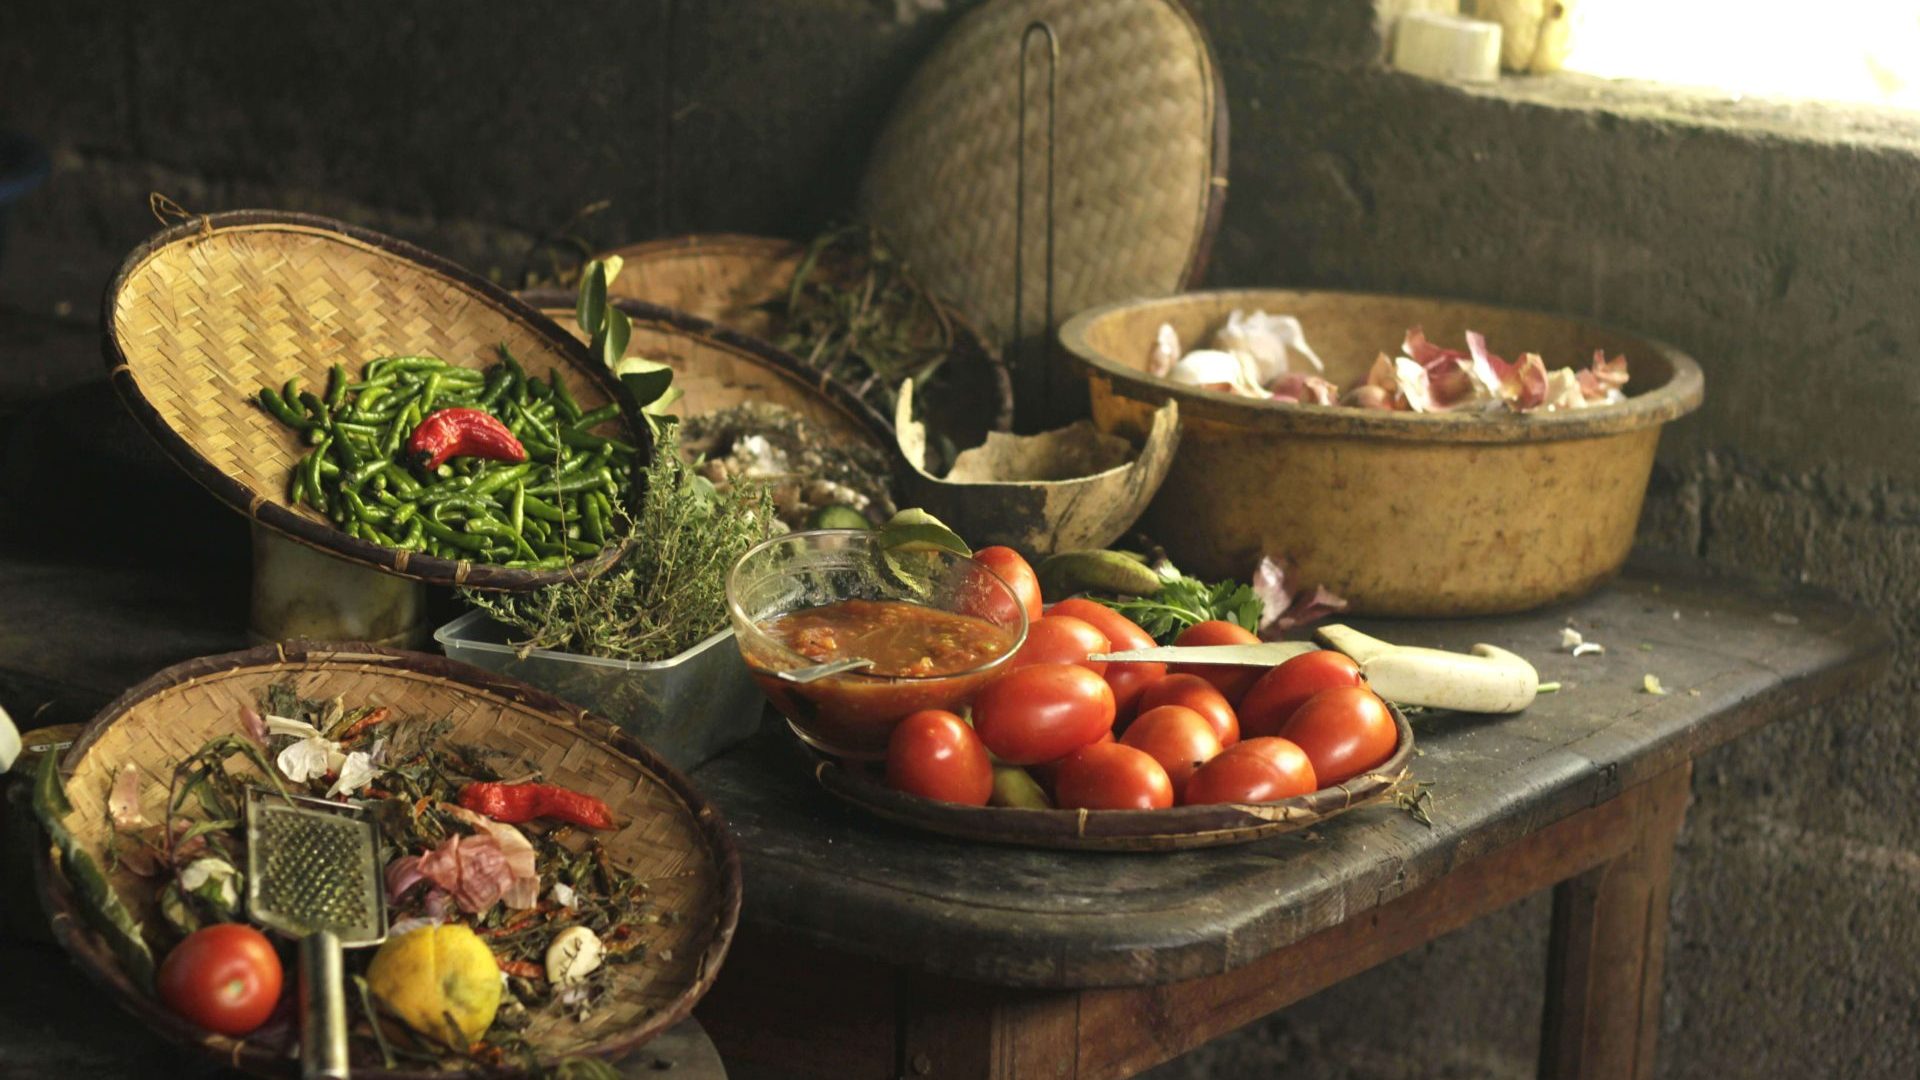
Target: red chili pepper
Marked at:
519, 803
449, 433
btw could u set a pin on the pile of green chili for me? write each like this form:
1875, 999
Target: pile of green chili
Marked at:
558, 506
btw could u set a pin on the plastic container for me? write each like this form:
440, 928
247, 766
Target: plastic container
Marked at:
688, 709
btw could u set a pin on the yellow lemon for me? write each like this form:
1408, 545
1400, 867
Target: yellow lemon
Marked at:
427, 975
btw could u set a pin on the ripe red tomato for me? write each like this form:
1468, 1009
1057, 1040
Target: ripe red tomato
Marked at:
1235, 778
935, 755
1345, 731
1180, 739
1280, 691
1202, 697
1296, 771
1112, 776
1062, 639
1130, 680
1232, 681
1039, 713
224, 977
1017, 573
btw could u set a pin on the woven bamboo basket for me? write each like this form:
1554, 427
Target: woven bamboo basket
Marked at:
716, 368
204, 314
669, 834
1140, 157
730, 280
1176, 828
1410, 514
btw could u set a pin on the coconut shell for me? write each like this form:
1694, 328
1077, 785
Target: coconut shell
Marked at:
1069, 489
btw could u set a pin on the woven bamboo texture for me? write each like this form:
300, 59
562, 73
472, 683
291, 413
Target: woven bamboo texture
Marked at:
1177, 828
1140, 155
717, 368
204, 314
730, 280
667, 834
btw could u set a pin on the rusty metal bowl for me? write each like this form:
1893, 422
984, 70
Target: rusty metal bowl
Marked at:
1403, 514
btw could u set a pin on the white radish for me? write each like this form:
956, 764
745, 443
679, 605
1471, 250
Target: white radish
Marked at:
1489, 680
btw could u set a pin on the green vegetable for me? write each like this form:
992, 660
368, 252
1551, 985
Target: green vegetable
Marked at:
838, 517
102, 905
1183, 601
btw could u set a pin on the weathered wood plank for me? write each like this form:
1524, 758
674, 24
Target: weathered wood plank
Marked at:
1608, 948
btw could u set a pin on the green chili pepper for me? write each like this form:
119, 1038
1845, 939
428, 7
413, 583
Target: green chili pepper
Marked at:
427, 393
563, 397
312, 463
281, 411
336, 386
450, 536
595, 418
583, 440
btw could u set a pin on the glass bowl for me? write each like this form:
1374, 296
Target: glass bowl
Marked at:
852, 714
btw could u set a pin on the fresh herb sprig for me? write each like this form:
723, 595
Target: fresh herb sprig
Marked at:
1183, 601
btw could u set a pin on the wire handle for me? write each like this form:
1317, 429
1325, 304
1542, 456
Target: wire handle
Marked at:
1032, 375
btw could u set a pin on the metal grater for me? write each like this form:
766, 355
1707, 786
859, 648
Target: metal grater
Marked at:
313, 872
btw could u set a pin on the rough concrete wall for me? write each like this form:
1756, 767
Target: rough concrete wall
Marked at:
1783, 265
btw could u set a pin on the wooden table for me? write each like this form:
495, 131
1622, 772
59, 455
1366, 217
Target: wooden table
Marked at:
871, 951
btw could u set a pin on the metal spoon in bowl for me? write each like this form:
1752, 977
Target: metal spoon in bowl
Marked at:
821, 671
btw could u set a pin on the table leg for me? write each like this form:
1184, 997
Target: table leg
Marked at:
1607, 948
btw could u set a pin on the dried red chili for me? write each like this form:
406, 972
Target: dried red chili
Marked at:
450, 433
518, 803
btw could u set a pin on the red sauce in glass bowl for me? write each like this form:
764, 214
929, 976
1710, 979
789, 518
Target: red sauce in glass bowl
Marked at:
923, 658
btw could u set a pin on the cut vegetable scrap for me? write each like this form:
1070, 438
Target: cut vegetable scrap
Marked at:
1166, 352
1282, 607
1269, 341
123, 803
1651, 684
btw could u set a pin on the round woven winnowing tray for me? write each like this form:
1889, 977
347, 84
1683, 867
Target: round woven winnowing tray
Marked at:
1141, 157
666, 832
204, 314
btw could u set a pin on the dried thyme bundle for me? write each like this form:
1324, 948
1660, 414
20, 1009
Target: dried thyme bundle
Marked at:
669, 592
855, 312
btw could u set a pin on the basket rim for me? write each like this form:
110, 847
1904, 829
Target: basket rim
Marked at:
1679, 395
668, 249
1173, 829
69, 923
324, 536
759, 349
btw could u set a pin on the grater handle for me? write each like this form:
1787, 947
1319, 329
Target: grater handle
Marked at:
323, 1008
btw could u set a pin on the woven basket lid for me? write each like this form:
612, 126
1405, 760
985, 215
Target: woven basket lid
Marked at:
204, 314
666, 832
716, 368
1141, 154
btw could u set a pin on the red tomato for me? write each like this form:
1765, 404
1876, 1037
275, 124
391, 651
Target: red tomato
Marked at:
1197, 694
1345, 732
935, 755
1235, 778
1232, 681
1129, 681
1287, 687
224, 977
1062, 639
1018, 575
1296, 771
1180, 739
1043, 712
1109, 776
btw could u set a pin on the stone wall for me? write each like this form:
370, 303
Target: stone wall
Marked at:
1773, 243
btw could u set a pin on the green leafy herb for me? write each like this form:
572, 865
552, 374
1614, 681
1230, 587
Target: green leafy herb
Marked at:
668, 593
1184, 601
